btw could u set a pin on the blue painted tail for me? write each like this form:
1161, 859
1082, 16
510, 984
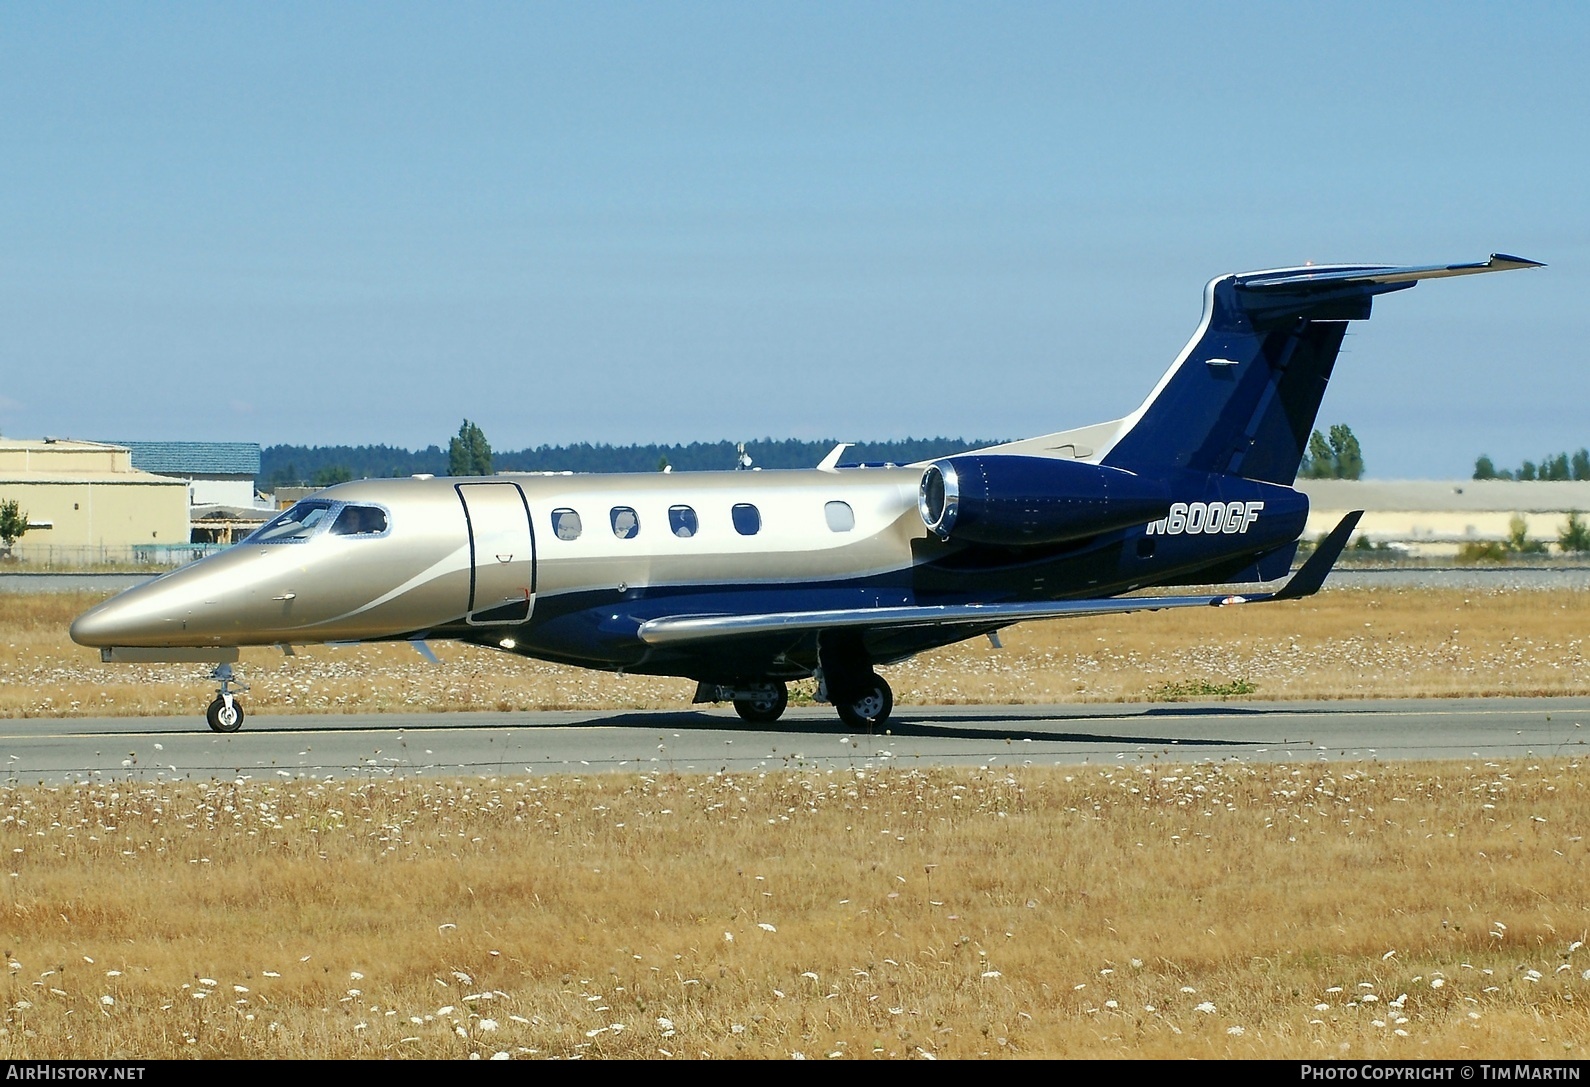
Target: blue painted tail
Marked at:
1242, 398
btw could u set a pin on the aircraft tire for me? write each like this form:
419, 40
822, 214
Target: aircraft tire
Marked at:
224, 718
871, 710
767, 707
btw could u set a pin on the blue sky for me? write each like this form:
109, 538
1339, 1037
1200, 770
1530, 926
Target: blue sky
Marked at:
360, 223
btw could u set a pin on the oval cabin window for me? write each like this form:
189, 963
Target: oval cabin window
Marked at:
682, 520
626, 522
841, 518
566, 524
747, 519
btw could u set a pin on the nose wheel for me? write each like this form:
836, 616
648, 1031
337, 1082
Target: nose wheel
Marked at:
226, 712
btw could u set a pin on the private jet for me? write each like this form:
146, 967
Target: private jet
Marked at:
746, 580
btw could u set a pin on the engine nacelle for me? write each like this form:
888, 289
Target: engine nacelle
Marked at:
1015, 501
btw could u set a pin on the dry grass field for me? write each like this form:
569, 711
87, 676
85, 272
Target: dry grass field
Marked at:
1340, 644
1303, 911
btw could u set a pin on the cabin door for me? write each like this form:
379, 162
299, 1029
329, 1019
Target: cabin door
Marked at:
502, 581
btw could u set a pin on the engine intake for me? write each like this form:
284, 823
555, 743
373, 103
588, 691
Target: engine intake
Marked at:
1017, 501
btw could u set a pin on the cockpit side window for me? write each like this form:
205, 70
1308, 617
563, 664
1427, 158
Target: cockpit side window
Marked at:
360, 521
294, 525
566, 524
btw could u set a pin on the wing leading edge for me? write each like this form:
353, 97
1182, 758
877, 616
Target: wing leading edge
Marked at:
682, 629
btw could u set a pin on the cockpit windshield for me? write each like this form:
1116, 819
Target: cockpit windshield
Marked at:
294, 525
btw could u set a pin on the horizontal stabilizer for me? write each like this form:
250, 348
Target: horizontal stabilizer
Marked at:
1330, 276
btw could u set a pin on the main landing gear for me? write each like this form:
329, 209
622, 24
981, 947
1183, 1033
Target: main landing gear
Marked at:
226, 712
762, 703
845, 678
758, 703
867, 704
870, 708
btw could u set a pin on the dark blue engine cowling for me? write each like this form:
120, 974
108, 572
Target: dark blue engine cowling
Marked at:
1012, 501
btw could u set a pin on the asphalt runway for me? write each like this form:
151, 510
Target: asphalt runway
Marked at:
381, 746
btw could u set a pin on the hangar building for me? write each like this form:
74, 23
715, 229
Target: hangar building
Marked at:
86, 503
217, 473
1436, 517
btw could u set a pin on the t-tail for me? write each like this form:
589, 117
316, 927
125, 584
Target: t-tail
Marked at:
1242, 397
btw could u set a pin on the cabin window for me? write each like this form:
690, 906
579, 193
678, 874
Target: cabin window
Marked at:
747, 519
359, 521
841, 518
682, 519
566, 524
294, 525
626, 522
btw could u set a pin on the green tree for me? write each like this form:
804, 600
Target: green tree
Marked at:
1485, 468
1518, 540
1319, 462
13, 524
1580, 466
332, 474
1346, 452
1575, 535
469, 454
1526, 471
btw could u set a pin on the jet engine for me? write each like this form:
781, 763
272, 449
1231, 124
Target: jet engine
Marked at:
1016, 501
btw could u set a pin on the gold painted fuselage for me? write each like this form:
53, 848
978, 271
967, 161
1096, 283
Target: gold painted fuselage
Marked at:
456, 560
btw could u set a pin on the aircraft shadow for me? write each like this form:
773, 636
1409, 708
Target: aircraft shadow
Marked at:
929, 728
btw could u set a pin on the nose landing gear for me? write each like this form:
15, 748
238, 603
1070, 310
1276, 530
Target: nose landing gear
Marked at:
226, 712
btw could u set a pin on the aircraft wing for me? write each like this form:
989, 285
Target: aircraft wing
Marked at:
680, 629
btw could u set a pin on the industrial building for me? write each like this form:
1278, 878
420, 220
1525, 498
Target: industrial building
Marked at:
1434, 518
217, 473
87, 504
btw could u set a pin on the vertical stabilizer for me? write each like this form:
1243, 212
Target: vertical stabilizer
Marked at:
1243, 396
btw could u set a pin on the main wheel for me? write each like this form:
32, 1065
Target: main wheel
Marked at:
764, 707
871, 709
224, 718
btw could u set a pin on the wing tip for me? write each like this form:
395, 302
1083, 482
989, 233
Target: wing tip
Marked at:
1507, 262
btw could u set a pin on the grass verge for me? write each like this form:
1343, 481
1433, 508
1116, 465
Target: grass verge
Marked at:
1358, 643
1407, 910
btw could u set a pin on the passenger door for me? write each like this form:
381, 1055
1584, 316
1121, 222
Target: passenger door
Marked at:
501, 553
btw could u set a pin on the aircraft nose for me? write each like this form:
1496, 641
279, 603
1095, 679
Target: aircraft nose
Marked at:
152, 614
107, 624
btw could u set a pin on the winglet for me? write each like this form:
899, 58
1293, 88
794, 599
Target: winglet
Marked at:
1311, 575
